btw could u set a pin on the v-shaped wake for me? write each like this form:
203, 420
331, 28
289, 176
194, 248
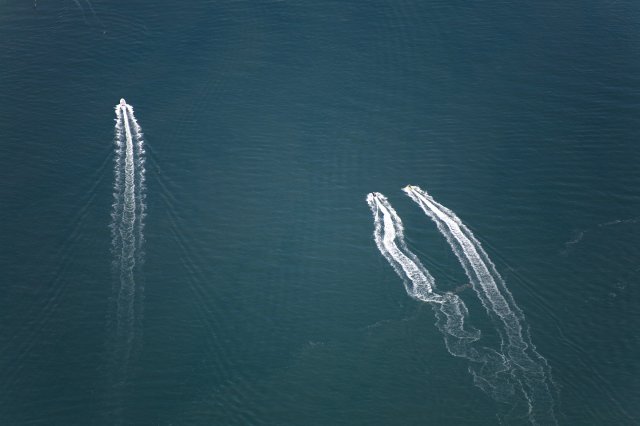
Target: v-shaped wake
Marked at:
127, 241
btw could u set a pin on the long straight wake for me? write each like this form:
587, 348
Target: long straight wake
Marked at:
140, 187
516, 368
127, 240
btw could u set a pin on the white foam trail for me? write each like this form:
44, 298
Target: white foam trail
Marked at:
389, 236
141, 188
450, 310
127, 258
128, 212
141, 197
116, 211
528, 368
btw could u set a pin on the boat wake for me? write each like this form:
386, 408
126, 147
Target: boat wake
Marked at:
515, 373
127, 241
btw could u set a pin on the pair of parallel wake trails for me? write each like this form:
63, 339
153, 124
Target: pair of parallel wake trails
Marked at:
515, 374
127, 243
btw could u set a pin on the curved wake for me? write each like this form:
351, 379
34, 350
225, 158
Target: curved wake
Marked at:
514, 371
389, 236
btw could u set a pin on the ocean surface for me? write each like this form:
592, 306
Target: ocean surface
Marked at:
204, 254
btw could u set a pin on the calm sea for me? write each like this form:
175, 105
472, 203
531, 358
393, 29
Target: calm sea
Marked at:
216, 265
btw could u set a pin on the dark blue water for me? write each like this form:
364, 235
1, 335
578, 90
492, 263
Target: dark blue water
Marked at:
259, 295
